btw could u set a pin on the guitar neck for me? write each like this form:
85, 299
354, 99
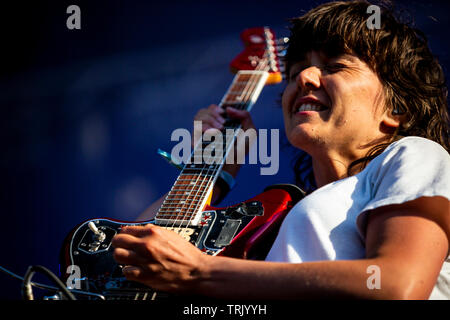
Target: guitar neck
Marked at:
192, 190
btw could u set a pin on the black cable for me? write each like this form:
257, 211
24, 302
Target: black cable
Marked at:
27, 292
50, 288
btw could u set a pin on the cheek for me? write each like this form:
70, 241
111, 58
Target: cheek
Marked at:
353, 100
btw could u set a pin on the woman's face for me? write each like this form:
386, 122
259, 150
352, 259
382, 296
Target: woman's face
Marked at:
334, 105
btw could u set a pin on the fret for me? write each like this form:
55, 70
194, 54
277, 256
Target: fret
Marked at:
176, 214
186, 209
194, 182
192, 177
178, 209
187, 206
244, 77
211, 163
234, 97
170, 212
177, 193
190, 183
249, 90
236, 90
238, 87
183, 201
191, 196
188, 199
189, 187
240, 82
199, 168
190, 180
188, 196
182, 189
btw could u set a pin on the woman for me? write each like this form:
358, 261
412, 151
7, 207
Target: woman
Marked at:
368, 109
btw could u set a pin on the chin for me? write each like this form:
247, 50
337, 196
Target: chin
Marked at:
304, 137
299, 139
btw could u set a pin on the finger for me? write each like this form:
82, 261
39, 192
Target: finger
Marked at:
138, 231
125, 256
237, 114
212, 120
132, 272
215, 109
243, 116
126, 241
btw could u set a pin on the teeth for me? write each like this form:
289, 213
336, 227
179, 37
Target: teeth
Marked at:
309, 107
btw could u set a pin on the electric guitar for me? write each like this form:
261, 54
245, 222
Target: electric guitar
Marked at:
245, 230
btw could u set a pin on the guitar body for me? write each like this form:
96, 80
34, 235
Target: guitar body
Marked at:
237, 231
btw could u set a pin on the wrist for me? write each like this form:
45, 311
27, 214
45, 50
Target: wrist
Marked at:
204, 276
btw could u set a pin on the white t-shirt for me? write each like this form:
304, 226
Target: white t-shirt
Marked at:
324, 226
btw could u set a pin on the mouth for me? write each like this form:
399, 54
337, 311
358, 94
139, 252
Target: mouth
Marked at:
308, 104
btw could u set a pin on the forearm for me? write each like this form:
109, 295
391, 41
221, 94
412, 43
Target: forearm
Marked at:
243, 279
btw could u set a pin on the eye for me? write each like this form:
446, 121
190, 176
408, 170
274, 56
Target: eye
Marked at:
334, 67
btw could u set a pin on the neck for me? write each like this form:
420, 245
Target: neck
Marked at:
333, 167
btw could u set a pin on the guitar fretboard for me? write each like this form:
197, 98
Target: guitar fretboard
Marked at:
184, 203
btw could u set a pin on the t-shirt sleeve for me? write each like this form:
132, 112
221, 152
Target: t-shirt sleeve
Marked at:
409, 169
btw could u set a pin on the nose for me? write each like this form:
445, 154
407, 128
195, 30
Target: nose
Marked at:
309, 78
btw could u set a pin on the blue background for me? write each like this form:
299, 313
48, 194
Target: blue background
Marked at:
84, 111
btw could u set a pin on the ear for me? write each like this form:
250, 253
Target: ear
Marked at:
390, 122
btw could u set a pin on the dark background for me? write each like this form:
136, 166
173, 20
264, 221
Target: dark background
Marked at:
84, 111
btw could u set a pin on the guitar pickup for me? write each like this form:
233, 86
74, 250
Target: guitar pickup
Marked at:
228, 232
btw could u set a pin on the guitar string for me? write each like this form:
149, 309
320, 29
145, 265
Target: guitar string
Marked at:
247, 92
204, 176
211, 167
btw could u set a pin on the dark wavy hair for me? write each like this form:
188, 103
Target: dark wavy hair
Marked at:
412, 78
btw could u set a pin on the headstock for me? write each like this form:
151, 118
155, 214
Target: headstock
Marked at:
262, 51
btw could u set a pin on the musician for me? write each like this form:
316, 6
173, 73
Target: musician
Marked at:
368, 110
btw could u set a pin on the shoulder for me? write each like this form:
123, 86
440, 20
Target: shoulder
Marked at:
408, 169
413, 153
417, 146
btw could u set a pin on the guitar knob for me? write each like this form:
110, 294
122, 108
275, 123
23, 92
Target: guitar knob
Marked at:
100, 236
